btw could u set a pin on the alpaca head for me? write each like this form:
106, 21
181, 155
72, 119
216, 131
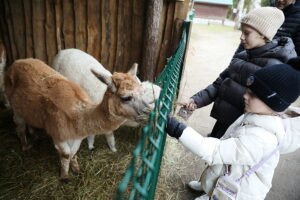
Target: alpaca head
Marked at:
125, 94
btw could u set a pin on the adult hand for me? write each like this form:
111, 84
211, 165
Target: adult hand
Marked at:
190, 105
174, 128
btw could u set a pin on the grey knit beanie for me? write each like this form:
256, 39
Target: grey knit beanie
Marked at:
266, 20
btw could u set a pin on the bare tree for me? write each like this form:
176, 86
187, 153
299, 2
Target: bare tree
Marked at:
239, 14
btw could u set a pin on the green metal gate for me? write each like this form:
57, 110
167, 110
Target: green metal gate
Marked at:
140, 179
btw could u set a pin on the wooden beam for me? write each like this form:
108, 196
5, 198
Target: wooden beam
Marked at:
137, 34
51, 48
150, 47
38, 19
58, 24
14, 53
68, 24
123, 35
109, 33
80, 8
165, 51
93, 28
17, 19
4, 33
28, 29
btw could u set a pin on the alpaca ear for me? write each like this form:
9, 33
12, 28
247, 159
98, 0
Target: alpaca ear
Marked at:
106, 79
133, 70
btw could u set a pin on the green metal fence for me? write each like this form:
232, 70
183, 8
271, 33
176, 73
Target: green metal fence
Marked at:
140, 179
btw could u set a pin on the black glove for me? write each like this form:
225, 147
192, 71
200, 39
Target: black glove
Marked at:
174, 128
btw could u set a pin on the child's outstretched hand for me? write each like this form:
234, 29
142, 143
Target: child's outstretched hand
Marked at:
174, 128
190, 105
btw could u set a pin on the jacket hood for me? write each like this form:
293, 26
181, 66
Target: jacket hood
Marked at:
281, 48
292, 128
266, 122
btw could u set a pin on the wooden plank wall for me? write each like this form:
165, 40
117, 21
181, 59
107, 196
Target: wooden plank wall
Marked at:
111, 31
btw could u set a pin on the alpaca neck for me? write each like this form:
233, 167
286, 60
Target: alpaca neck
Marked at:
100, 118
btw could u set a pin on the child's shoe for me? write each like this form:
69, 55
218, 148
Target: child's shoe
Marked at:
203, 197
195, 185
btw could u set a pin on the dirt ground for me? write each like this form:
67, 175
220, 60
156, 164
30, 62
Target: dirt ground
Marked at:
210, 51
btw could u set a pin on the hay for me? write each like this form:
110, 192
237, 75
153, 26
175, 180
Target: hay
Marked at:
179, 166
35, 174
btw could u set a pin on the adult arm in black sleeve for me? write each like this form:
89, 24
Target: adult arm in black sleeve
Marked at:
296, 40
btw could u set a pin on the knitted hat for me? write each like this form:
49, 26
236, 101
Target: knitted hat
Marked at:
266, 20
277, 86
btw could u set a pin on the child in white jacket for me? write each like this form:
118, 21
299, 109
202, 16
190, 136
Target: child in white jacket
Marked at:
250, 138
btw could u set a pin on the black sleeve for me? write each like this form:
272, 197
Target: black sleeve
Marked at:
296, 41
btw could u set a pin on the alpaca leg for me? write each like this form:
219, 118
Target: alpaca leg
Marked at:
74, 148
111, 141
21, 130
65, 157
91, 141
64, 170
74, 165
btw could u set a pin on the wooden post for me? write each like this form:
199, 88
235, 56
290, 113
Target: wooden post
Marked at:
150, 47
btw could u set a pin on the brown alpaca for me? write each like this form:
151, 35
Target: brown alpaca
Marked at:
43, 98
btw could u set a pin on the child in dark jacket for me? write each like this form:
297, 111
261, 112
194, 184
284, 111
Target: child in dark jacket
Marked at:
258, 29
250, 149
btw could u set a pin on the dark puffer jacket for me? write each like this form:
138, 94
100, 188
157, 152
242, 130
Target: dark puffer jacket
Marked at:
291, 26
228, 89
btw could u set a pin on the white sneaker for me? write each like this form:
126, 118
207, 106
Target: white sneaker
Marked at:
195, 185
203, 197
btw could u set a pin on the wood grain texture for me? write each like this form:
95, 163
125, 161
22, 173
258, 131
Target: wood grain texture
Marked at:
117, 33
28, 29
109, 33
58, 24
80, 24
154, 10
18, 27
93, 28
165, 51
68, 23
123, 36
4, 32
51, 46
8, 21
137, 34
38, 25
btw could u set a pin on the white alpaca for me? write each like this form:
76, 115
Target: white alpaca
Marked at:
76, 65
43, 98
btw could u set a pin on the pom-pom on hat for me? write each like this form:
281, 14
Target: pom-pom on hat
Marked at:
266, 20
277, 86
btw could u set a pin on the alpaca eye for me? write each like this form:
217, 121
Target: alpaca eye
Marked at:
126, 98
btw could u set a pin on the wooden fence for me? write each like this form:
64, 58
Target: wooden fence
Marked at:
116, 32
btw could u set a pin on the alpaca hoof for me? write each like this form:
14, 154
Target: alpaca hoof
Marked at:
76, 170
64, 179
113, 149
91, 147
26, 147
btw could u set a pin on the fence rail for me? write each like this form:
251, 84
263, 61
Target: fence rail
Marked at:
140, 179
